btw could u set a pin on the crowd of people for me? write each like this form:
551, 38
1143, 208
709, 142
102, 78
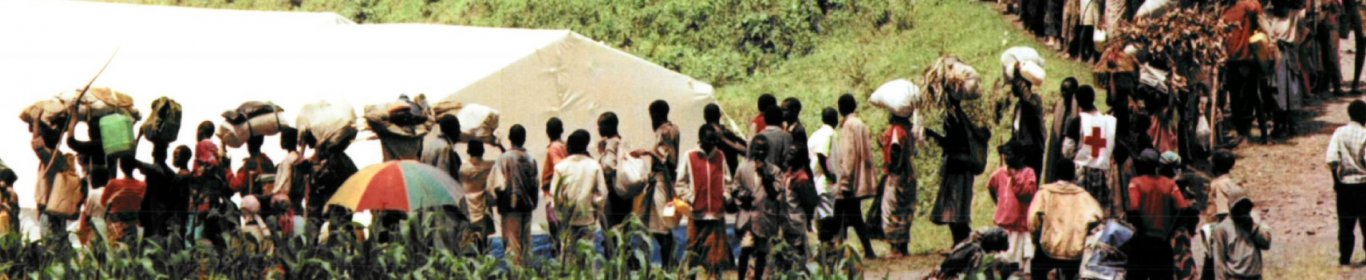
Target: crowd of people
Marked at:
1125, 192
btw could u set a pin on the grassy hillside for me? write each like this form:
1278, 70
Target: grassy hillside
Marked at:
812, 50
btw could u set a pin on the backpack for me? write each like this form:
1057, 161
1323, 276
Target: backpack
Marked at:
60, 189
163, 124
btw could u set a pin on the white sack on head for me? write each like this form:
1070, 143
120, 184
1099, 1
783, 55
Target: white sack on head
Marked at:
478, 122
326, 120
1014, 55
901, 97
950, 76
1033, 73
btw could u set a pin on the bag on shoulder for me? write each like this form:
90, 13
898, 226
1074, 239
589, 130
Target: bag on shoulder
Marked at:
60, 190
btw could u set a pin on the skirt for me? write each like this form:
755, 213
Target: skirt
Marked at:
707, 245
898, 208
1021, 249
954, 204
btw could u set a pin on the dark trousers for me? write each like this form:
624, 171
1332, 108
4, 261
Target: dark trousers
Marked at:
1351, 214
848, 214
1150, 258
666, 248
960, 232
1084, 44
1042, 265
1243, 82
759, 254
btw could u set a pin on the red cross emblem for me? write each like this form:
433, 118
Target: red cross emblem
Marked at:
1096, 142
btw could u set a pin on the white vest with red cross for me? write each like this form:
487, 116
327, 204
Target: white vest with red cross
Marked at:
1097, 140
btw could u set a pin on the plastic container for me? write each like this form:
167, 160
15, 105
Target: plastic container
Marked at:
116, 132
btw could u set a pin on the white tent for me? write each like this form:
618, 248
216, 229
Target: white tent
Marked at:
529, 75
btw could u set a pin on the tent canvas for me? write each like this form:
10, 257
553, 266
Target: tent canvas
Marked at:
529, 75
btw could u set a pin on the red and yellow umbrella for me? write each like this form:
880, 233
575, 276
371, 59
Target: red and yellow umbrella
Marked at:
398, 186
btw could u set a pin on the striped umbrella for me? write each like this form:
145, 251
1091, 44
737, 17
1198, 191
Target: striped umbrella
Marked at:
398, 186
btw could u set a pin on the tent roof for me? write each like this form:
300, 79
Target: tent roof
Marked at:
527, 74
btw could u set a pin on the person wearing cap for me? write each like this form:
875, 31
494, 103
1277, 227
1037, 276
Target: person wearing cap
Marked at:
1154, 202
1344, 156
1237, 242
1193, 185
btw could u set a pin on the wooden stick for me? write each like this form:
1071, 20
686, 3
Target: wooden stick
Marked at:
71, 109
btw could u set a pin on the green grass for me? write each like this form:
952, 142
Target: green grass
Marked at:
787, 47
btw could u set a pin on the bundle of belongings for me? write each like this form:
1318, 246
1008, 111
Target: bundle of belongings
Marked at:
99, 102
1102, 257
477, 122
1022, 61
46, 116
163, 123
952, 76
400, 125
252, 118
327, 126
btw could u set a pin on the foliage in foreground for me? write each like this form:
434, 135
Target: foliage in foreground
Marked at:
412, 255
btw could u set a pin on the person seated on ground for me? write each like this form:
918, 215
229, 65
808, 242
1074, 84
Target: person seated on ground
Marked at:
1237, 242
967, 259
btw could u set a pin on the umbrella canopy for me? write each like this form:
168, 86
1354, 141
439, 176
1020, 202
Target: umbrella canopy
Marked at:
398, 186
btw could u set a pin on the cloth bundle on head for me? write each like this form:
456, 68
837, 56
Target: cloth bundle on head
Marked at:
952, 77
47, 112
329, 123
1016, 57
901, 97
477, 122
101, 101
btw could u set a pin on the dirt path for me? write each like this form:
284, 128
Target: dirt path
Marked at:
1292, 188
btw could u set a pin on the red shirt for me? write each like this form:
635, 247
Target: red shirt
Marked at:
124, 196
555, 153
1014, 191
894, 135
1243, 16
758, 123
1156, 199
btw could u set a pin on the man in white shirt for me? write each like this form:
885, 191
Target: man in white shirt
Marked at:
1345, 160
820, 145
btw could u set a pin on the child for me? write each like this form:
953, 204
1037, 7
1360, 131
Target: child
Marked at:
1238, 241
1013, 187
